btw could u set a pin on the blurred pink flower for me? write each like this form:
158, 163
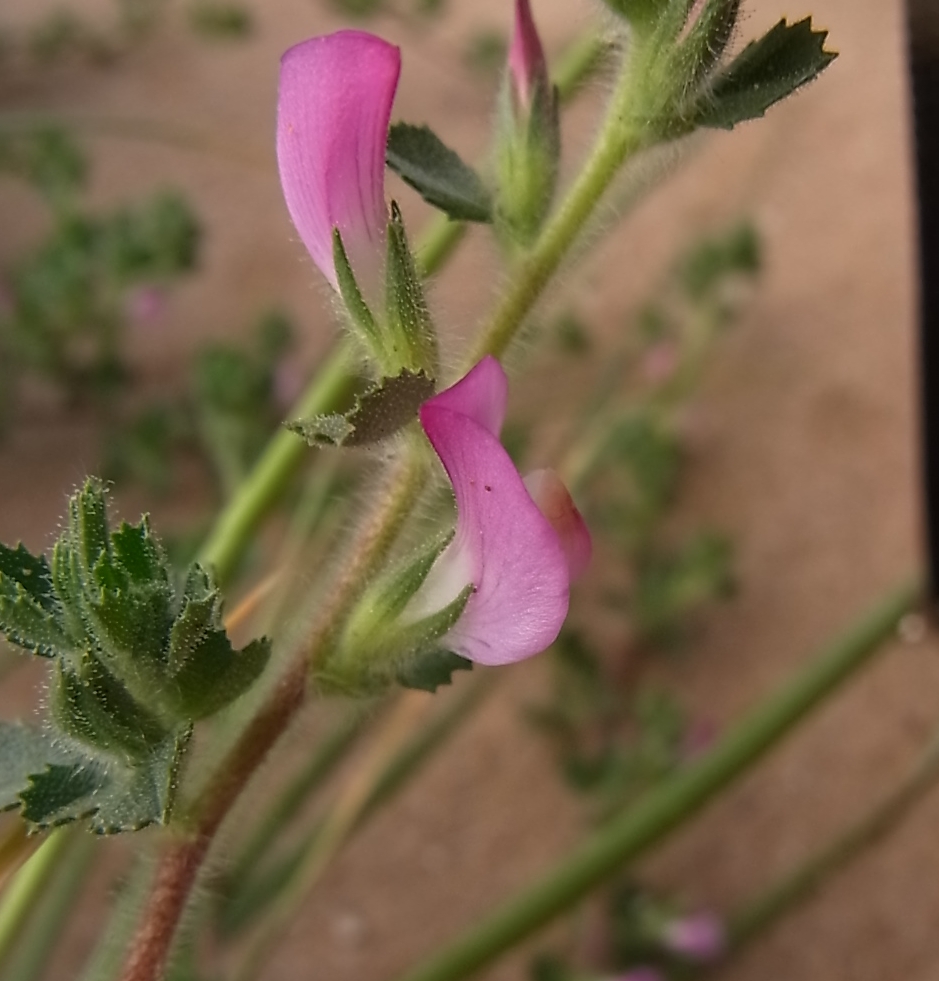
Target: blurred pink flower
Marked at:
527, 66
660, 362
519, 543
698, 739
699, 937
145, 304
333, 111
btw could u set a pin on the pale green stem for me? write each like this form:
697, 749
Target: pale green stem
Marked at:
801, 883
272, 472
39, 940
622, 135
26, 888
669, 805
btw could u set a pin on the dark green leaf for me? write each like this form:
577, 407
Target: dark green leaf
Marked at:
427, 672
31, 572
23, 751
382, 411
114, 797
138, 553
28, 624
215, 674
765, 72
437, 173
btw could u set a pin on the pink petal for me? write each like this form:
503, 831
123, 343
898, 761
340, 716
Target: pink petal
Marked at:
699, 937
503, 544
527, 64
334, 107
554, 501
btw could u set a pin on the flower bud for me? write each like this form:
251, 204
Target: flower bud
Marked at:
528, 139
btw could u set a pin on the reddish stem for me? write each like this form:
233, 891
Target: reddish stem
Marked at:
183, 858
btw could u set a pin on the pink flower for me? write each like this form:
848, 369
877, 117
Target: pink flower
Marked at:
699, 937
527, 66
146, 303
333, 111
519, 543
640, 974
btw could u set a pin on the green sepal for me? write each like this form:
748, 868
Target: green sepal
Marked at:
707, 39
406, 309
216, 674
378, 414
528, 151
768, 70
385, 599
361, 317
437, 173
429, 670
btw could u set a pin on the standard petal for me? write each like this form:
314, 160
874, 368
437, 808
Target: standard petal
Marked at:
481, 395
503, 544
334, 107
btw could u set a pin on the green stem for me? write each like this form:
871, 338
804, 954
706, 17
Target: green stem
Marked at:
277, 464
323, 762
38, 941
623, 134
801, 883
27, 886
672, 803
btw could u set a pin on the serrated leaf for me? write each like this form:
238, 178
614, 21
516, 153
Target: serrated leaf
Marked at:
138, 553
27, 624
112, 797
437, 173
428, 671
215, 674
195, 620
31, 572
767, 70
23, 751
62, 793
382, 411
88, 524
96, 709
131, 626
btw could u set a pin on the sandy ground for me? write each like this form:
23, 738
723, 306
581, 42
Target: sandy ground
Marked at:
805, 453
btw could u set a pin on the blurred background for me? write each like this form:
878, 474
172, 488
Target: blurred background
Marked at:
158, 314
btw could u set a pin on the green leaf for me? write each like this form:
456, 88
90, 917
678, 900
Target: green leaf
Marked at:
88, 524
215, 674
767, 70
96, 709
442, 179
27, 624
382, 411
31, 572
23, 751
137, 551
430, 670
113, 797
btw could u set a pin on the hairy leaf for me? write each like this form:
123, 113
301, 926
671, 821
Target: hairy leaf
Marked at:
378, 414
765, 72
442, 179
427, 672
216, 674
